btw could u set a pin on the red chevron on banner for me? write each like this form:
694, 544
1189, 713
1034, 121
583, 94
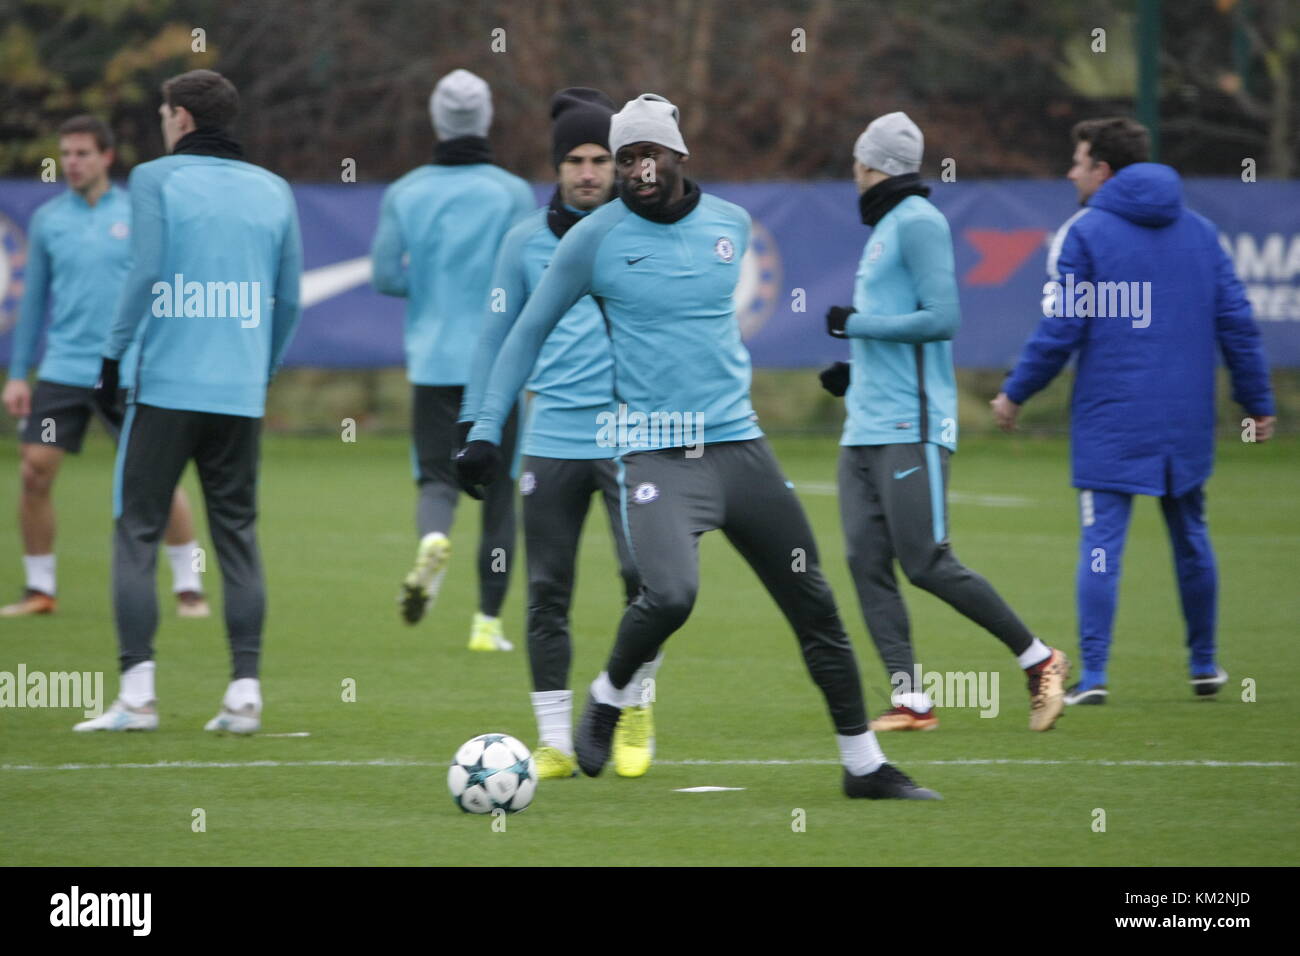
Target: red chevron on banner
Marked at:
1001, 253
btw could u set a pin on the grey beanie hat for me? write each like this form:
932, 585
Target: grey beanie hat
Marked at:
461, 105
647, 119
892, 144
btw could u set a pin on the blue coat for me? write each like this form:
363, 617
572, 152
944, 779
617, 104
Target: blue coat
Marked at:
1142, 290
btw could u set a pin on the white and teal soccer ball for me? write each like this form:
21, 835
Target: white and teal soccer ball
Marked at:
492, 772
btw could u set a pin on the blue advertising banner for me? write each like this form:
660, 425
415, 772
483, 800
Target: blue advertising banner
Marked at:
805, 249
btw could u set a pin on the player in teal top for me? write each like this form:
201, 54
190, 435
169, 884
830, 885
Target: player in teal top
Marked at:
663, 262
439, 230
901, 427
564, 463
78, 255
215, 276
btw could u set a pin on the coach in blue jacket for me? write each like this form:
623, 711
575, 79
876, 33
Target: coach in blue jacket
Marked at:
1141, 289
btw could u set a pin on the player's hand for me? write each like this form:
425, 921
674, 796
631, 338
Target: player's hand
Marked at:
18, 397
836, 379
1263, 426
106, 389
1004, 412
837, 316
477, 465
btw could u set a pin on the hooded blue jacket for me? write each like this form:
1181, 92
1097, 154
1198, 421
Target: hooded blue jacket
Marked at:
1142, 290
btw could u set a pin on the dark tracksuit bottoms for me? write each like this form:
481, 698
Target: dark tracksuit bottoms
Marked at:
556, 496
669, 500
156, 445
893, 505
435, 409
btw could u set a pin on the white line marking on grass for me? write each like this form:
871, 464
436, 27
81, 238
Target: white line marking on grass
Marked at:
296, 733
957, 497
704, 789
969, 762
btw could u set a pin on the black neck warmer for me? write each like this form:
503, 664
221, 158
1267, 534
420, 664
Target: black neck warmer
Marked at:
462, 151
559, 217
888, 193
667, 213
209, 141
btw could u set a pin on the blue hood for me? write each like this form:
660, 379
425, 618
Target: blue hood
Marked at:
1149, 194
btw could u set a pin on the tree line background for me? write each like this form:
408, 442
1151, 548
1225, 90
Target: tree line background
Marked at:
995, 84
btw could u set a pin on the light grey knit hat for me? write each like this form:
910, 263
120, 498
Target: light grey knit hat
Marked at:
892, 144
461, 105
647, 119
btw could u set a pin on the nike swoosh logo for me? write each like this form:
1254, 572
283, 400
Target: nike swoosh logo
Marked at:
904, 474
633, 262
325, 282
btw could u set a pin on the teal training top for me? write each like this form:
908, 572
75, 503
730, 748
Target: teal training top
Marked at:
79, 255
903, 388
573, 380
439, 230
217, 262
665, 290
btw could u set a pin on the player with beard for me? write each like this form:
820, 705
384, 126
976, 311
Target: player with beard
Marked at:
564, 464
663, 263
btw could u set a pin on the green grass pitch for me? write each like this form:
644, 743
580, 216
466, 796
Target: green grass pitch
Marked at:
1180, 781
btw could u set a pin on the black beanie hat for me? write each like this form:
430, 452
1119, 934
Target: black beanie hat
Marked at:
579, 115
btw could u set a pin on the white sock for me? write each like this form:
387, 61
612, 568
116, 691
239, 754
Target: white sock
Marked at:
137, 685
554, 712
1036, 653
181, 558
246, 690
916, 701
641, 688
860, 754
40, 572
605, 692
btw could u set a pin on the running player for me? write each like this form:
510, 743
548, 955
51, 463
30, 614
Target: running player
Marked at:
901, 429
439, 230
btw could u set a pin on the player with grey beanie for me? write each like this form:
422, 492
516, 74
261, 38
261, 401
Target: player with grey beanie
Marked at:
439, 229
892, 144
900, 429
647, 119
461, 105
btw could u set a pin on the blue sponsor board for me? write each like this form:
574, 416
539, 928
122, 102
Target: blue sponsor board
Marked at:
805, 250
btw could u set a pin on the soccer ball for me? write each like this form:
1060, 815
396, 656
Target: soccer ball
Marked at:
492, 772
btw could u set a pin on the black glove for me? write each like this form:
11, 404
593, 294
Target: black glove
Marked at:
105, 393
836, 379
477, 464
836, 317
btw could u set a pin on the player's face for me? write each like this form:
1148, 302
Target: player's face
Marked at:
1086, 174
85, 165
586, 176
176, 123
648, 174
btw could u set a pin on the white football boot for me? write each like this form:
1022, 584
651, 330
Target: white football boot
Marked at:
121, 716
241, 709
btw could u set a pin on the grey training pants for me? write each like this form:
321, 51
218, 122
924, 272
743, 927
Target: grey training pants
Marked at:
156, 445
669, 500
893, 505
